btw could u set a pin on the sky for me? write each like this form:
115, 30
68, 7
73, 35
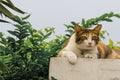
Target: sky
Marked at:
56, 13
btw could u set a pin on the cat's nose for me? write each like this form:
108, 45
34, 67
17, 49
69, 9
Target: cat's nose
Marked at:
90, 43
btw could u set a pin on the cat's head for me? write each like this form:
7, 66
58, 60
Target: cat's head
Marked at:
87, 38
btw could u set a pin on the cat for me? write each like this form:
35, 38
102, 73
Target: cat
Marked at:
83, 43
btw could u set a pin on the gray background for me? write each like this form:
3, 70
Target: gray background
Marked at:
55, 13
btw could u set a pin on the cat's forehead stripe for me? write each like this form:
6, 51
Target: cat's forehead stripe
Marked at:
89, 34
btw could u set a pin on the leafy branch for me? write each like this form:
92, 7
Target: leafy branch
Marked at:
90, 22
94, 21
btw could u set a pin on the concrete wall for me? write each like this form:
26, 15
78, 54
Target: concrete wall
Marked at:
85, 69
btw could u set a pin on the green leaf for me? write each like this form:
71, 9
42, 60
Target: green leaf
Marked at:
26, 17
73, 23
1, 34
6, 12
28, 43
47, 35
117, 15
4, 21
110, 14
52, 78
11, 39
103, 16
118, 42
14, 33
2, 48
107, 19
88, 22
18, 19
83, 22
111, 43
117, 47
12, 6
3, 67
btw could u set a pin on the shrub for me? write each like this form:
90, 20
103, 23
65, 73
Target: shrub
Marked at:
27, 52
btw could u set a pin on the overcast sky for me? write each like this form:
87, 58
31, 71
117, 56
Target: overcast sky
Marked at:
55, 13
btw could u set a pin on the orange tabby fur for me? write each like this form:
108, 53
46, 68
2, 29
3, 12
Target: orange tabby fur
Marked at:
107, 53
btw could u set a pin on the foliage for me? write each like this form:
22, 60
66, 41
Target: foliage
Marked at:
94, 21
4, 5
114, 45
102, 34
27, 52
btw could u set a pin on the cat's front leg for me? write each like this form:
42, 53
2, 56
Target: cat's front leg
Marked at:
72, 58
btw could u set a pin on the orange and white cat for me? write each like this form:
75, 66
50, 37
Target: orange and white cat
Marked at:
83, 43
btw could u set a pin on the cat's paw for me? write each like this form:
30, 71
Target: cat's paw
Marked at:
72, 58
91, 56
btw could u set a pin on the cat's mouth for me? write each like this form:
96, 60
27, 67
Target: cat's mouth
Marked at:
89, 46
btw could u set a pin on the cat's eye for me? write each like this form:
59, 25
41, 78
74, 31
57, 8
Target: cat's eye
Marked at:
95, 38
83, 38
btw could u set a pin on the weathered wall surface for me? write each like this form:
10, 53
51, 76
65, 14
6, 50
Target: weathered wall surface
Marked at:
85, 69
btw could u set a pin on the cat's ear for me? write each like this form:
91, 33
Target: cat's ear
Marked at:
77, 28
98, 28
